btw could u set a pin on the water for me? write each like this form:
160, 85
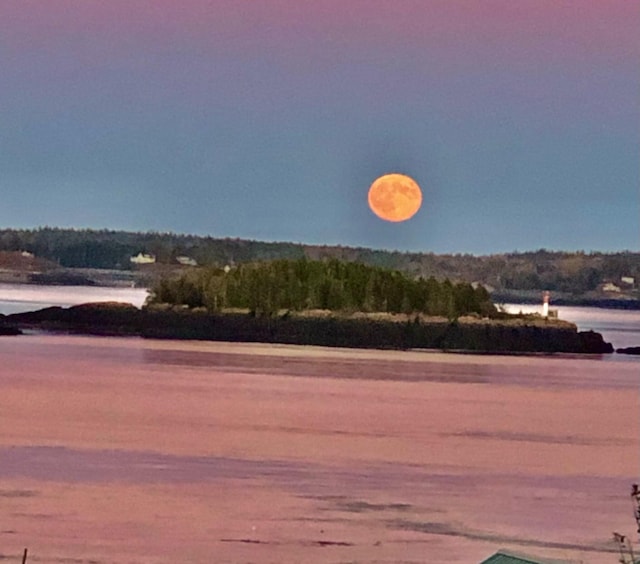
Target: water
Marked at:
134, 450
17, 298
618, 327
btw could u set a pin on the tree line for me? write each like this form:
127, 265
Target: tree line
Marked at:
265, 288
89, 248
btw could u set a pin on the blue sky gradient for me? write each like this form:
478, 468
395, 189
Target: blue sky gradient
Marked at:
269, 120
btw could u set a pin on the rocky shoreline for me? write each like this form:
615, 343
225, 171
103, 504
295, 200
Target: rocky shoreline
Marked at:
8, 329
515, 335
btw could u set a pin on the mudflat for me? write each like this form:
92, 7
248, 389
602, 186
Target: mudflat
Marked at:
130, 450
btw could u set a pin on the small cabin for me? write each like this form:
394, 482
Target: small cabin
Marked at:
508, 557
142, 258
610, 287
186, 261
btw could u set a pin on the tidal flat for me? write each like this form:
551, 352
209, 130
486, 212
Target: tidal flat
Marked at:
132, 450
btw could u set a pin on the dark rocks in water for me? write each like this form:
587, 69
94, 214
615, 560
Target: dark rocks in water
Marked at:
629, 350
593, 343
37, 316
8, 328
90, 312
99, 318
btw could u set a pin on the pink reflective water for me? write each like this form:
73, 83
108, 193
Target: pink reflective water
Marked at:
126, 450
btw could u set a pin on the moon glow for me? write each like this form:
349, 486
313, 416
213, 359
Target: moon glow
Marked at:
395, 197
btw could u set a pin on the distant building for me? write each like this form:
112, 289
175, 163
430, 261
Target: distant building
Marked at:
186, 261
487, 287
143, 258
610, 287
507, 557
629, 280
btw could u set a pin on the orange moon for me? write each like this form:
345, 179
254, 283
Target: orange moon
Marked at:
395, 197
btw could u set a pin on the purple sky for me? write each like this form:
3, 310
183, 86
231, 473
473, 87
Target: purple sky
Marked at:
270, 119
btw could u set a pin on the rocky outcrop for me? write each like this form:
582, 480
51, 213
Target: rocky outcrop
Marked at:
629, 350
7, 328
101, 318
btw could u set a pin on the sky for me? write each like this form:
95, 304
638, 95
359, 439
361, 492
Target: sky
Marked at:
269, 119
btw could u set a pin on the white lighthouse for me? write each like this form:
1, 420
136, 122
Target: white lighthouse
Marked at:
545, 303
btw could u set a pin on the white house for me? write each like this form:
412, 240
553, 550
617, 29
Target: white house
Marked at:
143, 258
186, 261
610, 287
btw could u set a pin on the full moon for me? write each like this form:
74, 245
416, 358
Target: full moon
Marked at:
395, 197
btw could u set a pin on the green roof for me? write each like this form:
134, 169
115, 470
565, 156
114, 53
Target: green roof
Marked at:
508, 557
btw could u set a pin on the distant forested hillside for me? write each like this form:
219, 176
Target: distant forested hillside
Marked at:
571, 272
86, 248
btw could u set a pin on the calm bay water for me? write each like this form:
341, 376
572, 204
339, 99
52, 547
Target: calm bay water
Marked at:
133, 450
16, 298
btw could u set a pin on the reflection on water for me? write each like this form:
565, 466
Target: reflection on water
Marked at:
109, 443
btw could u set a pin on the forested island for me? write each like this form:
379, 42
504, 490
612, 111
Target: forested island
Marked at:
330, 303
70, 256
267, 288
